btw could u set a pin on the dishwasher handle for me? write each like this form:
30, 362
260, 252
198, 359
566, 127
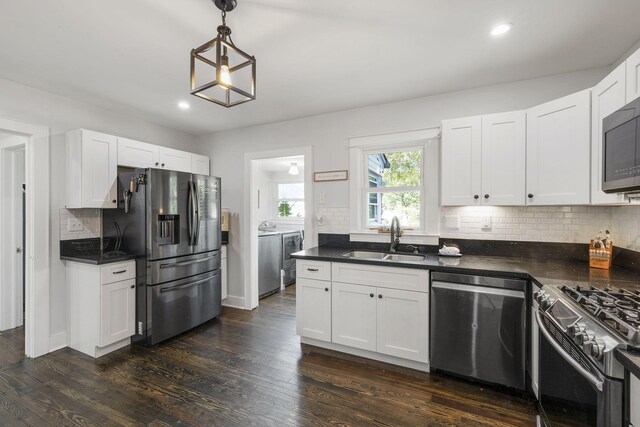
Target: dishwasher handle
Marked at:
478, 289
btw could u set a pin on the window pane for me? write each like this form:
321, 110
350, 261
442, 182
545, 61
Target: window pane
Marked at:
395, 169
291, 209
291, 190
404, 204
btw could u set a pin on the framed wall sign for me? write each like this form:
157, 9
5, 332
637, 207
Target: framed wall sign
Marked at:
331, 176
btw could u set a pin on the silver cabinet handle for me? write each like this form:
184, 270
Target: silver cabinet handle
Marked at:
587, 375
186, 285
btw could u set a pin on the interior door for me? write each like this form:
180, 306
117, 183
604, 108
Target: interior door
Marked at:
207, 201
167, 223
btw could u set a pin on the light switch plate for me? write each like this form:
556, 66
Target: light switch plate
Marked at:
486, 223
74, 224
323, 198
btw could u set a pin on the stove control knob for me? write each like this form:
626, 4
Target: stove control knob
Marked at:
547, 302
586, 338
579, 327
597, 348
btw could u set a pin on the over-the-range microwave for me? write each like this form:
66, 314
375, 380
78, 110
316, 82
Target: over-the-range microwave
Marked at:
621, 150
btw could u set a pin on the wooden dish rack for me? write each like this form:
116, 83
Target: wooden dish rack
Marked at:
600, 257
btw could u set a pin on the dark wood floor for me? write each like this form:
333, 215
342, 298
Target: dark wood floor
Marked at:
247, 368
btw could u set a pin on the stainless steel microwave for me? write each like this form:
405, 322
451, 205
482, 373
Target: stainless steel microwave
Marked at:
621, 150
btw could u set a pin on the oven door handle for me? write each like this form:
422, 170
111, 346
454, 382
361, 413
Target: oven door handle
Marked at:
587, 375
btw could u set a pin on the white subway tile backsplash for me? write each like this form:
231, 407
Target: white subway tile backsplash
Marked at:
91, 220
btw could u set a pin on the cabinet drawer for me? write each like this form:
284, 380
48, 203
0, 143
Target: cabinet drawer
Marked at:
319, 270
409, 279
117, 272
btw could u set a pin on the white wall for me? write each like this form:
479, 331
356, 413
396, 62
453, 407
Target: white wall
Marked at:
62, 114
329, 133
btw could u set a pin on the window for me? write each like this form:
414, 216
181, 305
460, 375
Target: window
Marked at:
289, 200
394, 187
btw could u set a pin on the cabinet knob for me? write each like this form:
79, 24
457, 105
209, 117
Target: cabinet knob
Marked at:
326, 289
379, 295
371, 295
113, 201
486, 196
476, 197
163, 165
530, 196
133, 286
157, 163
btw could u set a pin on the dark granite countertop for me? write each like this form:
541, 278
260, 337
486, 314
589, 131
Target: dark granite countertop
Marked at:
543, 272
97, 259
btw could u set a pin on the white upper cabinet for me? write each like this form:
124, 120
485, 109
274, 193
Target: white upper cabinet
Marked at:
633, 76
175, 160
461, 157
199, 164
136, 154
503, 158
558, 151
92, 168
607, 97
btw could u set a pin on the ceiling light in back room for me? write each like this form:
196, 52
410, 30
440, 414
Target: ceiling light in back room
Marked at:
220, 71
183, 105
293, 170
501, 29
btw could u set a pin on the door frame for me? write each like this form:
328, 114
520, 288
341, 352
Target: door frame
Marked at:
250, 222
37, 240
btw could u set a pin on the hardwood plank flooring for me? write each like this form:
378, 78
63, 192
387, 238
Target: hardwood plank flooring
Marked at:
244, 369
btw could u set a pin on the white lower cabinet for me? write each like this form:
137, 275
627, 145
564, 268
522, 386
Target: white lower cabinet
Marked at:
353, 315
634, 398
101, 306
372, 311
313, 309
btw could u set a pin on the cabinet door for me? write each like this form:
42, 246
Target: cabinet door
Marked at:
313, 309
558, 151
99, 170
634, 399
461, 157
353, 320
607, 97
535, 356
117, 311
503, 159
175, 160
136, 154
633, 76
402, 324
199, 164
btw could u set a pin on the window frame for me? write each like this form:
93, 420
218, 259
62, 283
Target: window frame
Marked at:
428, 140
366, 191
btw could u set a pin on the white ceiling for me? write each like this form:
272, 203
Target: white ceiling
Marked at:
281, 164
312, 56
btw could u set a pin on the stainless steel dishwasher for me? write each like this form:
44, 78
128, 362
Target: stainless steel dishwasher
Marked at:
478, 327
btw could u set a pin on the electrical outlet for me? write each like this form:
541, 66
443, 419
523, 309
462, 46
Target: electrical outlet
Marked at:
139, 328
323, 198
486, 223
74, 224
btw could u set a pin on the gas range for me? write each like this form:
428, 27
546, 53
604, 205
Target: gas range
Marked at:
598, 321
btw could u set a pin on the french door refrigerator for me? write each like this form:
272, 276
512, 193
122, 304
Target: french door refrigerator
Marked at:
171, 221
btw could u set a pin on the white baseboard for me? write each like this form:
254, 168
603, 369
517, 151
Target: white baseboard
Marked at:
57, 341
233, 302
420, 366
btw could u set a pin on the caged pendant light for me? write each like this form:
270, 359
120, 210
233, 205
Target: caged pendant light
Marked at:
220, 71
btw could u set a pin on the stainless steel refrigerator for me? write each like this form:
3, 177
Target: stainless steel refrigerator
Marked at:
171, 220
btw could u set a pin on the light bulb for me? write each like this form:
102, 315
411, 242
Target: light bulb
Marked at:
225, 75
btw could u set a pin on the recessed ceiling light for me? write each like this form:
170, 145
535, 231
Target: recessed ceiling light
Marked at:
498, 30
183, 105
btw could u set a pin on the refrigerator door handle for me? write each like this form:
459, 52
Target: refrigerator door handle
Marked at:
196, 216
189, 215
192, 214
185, 263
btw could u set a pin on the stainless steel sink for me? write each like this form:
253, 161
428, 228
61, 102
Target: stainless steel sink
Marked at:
384, 256
404, 257
364, 254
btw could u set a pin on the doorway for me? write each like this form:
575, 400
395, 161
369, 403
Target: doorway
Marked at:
279, 200
12, 270
24, 236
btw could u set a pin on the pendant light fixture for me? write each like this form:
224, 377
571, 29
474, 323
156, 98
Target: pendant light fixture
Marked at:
293, 170
220, 71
